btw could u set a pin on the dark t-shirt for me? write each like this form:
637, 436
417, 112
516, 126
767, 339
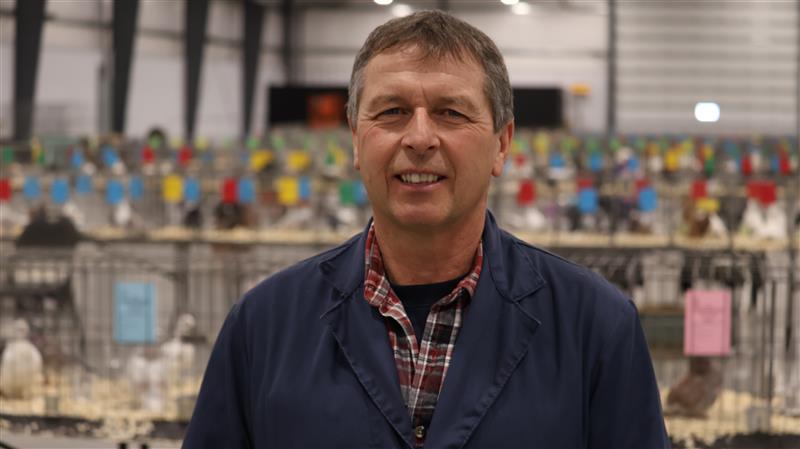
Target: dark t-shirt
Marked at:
418, 299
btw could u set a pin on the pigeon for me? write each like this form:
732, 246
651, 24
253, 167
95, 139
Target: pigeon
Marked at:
528, 219
178, 353
71, 211
21, 373
147, 380
764, 223
775, 223
697, 391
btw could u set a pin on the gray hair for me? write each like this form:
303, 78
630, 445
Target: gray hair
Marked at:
438, 35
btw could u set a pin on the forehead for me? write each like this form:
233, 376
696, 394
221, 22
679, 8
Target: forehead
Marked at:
396, 70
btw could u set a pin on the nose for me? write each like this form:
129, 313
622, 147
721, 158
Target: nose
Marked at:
420, 134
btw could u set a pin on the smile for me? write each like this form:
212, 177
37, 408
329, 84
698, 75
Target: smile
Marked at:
419, 178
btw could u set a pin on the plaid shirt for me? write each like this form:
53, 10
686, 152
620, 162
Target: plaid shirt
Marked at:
420, 367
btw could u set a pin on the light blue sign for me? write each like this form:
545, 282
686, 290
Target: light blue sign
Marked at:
305, 187
587, 201
115, 192
136, 188
191, 190
246, 191
595, 162
135, 312
109, 156
77, 159
59, 191
556, 160
648, 199
31, 189
83, 185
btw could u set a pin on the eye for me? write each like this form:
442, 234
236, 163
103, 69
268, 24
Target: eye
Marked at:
453, 114
392, 111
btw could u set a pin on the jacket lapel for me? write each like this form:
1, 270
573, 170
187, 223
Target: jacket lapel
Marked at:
495, 337
361, 334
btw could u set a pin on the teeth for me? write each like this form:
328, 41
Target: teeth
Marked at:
418, 178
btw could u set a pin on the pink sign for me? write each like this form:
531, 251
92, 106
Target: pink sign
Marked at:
707, 323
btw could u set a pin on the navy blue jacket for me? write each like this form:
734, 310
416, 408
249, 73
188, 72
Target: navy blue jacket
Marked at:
550, 356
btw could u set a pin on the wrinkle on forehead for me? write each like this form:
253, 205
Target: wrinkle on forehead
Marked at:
423, 53
402, 77
423, 59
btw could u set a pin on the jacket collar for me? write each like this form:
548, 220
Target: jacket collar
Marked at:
513, 274
496, 334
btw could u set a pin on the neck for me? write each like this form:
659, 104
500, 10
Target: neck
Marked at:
427, 256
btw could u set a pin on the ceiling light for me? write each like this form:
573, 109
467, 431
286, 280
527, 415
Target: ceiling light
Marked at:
383, 2
510, 2
401, 10
521, 8
706, 112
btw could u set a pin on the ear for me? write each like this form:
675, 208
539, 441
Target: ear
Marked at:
504, 136
354, 137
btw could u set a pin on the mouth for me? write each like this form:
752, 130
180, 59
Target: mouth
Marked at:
419, 178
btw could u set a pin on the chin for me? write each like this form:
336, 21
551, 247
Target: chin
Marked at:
420, 218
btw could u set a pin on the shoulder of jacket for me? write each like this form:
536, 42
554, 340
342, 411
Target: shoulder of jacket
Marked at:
304, 273
554, 267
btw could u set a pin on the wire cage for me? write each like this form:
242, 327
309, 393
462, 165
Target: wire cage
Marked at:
125, 330
122, 331
750, 389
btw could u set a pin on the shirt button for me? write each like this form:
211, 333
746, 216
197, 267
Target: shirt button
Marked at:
419, 432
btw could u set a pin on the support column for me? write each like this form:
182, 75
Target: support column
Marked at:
30, 18
611, 111
253, 19
124, 30
195, 39
288, 53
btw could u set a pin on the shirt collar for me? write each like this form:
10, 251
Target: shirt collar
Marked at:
377, 290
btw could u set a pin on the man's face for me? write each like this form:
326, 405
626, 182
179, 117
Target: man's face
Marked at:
424, 141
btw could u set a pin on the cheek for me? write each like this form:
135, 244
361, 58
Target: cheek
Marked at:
484, 158
375, 152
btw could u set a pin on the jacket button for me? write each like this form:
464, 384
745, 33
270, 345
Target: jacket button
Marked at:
419, 431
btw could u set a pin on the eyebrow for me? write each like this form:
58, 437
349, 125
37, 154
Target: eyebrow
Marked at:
459, 100
456, 100
383, 99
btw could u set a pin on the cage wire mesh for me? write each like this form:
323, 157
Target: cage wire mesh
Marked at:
125, 330
753, 389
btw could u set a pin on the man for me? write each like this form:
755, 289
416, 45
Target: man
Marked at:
432, 328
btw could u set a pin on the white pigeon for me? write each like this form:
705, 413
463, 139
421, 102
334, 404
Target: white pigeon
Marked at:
753, 219
655, 163
118, 168
716, 226
178, 354
528, 219
299, 217
10, 216
72, 212
21, 375
123, 214
347, 217
146, 377
774, 223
